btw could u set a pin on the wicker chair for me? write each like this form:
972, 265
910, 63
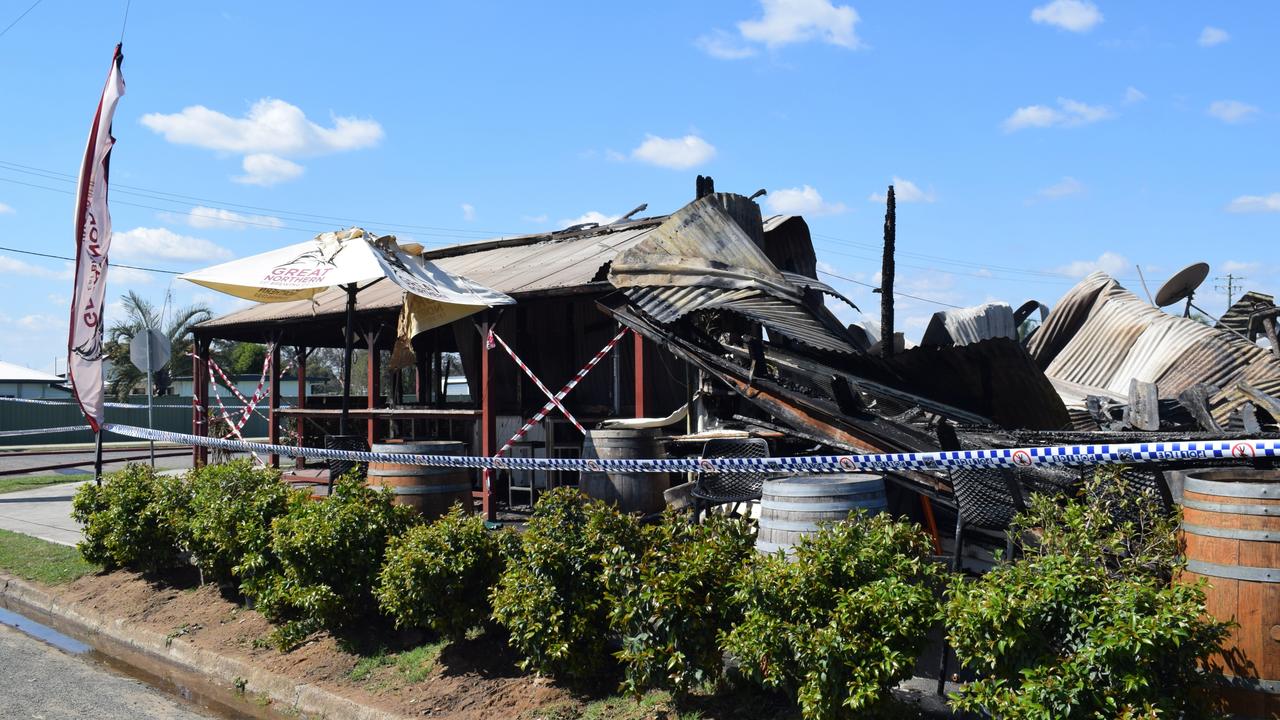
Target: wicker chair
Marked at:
735, 486
338, 468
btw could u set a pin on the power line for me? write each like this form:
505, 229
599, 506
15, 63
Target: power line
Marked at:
19, 18
895, 292
60, 257
1229, 285
291, 215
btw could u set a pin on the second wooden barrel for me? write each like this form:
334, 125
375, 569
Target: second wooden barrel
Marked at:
791, 508
1231, 527
429, 490
630, 491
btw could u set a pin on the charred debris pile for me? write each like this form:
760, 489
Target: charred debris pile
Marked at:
1100, 366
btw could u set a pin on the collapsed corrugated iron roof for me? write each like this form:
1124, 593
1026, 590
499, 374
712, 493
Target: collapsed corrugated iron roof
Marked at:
1100, 337
700, 258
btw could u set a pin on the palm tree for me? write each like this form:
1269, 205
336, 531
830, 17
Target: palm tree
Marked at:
140, 315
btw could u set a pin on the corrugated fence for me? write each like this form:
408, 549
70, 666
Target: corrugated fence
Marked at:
175, 416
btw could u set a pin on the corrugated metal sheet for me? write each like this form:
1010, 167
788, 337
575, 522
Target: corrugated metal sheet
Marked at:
1101, 336
516, 266
668, 304
966, 326
1237, 317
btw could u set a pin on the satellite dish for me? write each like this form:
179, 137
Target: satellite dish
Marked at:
1182, 286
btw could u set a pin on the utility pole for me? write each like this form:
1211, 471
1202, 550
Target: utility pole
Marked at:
1229, 285
886, 276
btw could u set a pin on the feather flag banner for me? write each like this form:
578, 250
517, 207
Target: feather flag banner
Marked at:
93, 240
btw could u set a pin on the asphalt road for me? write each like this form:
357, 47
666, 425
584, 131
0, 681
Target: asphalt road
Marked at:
39, 682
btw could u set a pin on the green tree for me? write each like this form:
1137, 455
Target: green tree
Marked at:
141, 314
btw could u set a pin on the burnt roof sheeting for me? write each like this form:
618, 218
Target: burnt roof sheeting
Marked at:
966, 326
1102, 336
668, 304
515, 266
1239, 317
700, 259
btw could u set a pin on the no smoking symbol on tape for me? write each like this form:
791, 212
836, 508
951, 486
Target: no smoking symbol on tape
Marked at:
1021, 457
1242, 450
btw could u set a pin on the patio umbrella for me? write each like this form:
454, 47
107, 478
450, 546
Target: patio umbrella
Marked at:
346, 259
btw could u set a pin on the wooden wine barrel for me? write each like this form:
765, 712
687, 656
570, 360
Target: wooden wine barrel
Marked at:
429, 490
1231, 527
791, 508
630, 491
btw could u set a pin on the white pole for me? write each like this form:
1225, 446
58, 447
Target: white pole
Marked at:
150, 421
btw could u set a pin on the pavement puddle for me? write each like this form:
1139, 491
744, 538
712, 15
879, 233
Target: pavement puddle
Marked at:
190, 688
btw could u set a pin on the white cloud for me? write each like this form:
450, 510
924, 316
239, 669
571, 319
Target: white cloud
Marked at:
217, 218
164, 244
793, 21
270, 130
724, 46
785, 22
1232, 111
1108, 262
41, 322
468, 212
126, 276
270, 126
905, 191
1255, 204
676, 153
1069, 113
1238, 266
801, 201
1064, 187
6, 209
1133, 95
13, 266
1073, 15
1211, 36
266, 169
591, 216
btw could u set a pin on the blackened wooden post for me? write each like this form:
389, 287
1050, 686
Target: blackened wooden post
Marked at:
488, 433
200, 400
886, 278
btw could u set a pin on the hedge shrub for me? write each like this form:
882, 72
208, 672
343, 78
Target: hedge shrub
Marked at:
229, 523
135, 519
329, 555
844, 620
439, 576
551, 596
1086, 623
671, 605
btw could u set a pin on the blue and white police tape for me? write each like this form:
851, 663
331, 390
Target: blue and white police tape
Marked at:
43, 431
1118, 454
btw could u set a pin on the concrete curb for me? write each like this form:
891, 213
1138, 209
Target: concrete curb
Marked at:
284, 692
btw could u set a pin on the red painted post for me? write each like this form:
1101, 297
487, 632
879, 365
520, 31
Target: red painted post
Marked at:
200, 400
638, 345
273, 404
301, 403
488, 441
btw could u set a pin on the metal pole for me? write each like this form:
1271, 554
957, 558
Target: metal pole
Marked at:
97, 459
151, 425
346, 359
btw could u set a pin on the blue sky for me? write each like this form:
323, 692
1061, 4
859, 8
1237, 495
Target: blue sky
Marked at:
1029, 142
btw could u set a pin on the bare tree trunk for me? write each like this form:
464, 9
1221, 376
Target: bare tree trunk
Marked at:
886, 277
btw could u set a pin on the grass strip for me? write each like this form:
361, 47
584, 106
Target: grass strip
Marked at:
13, 484
43, 562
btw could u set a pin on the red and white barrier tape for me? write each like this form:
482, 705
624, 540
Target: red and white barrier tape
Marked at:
538, 416
555, 401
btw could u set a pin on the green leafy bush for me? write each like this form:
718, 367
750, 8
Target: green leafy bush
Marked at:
844, 620
329, 554
133, 520
228, 526
439, 576
1086, 624
551, 596
671, 605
